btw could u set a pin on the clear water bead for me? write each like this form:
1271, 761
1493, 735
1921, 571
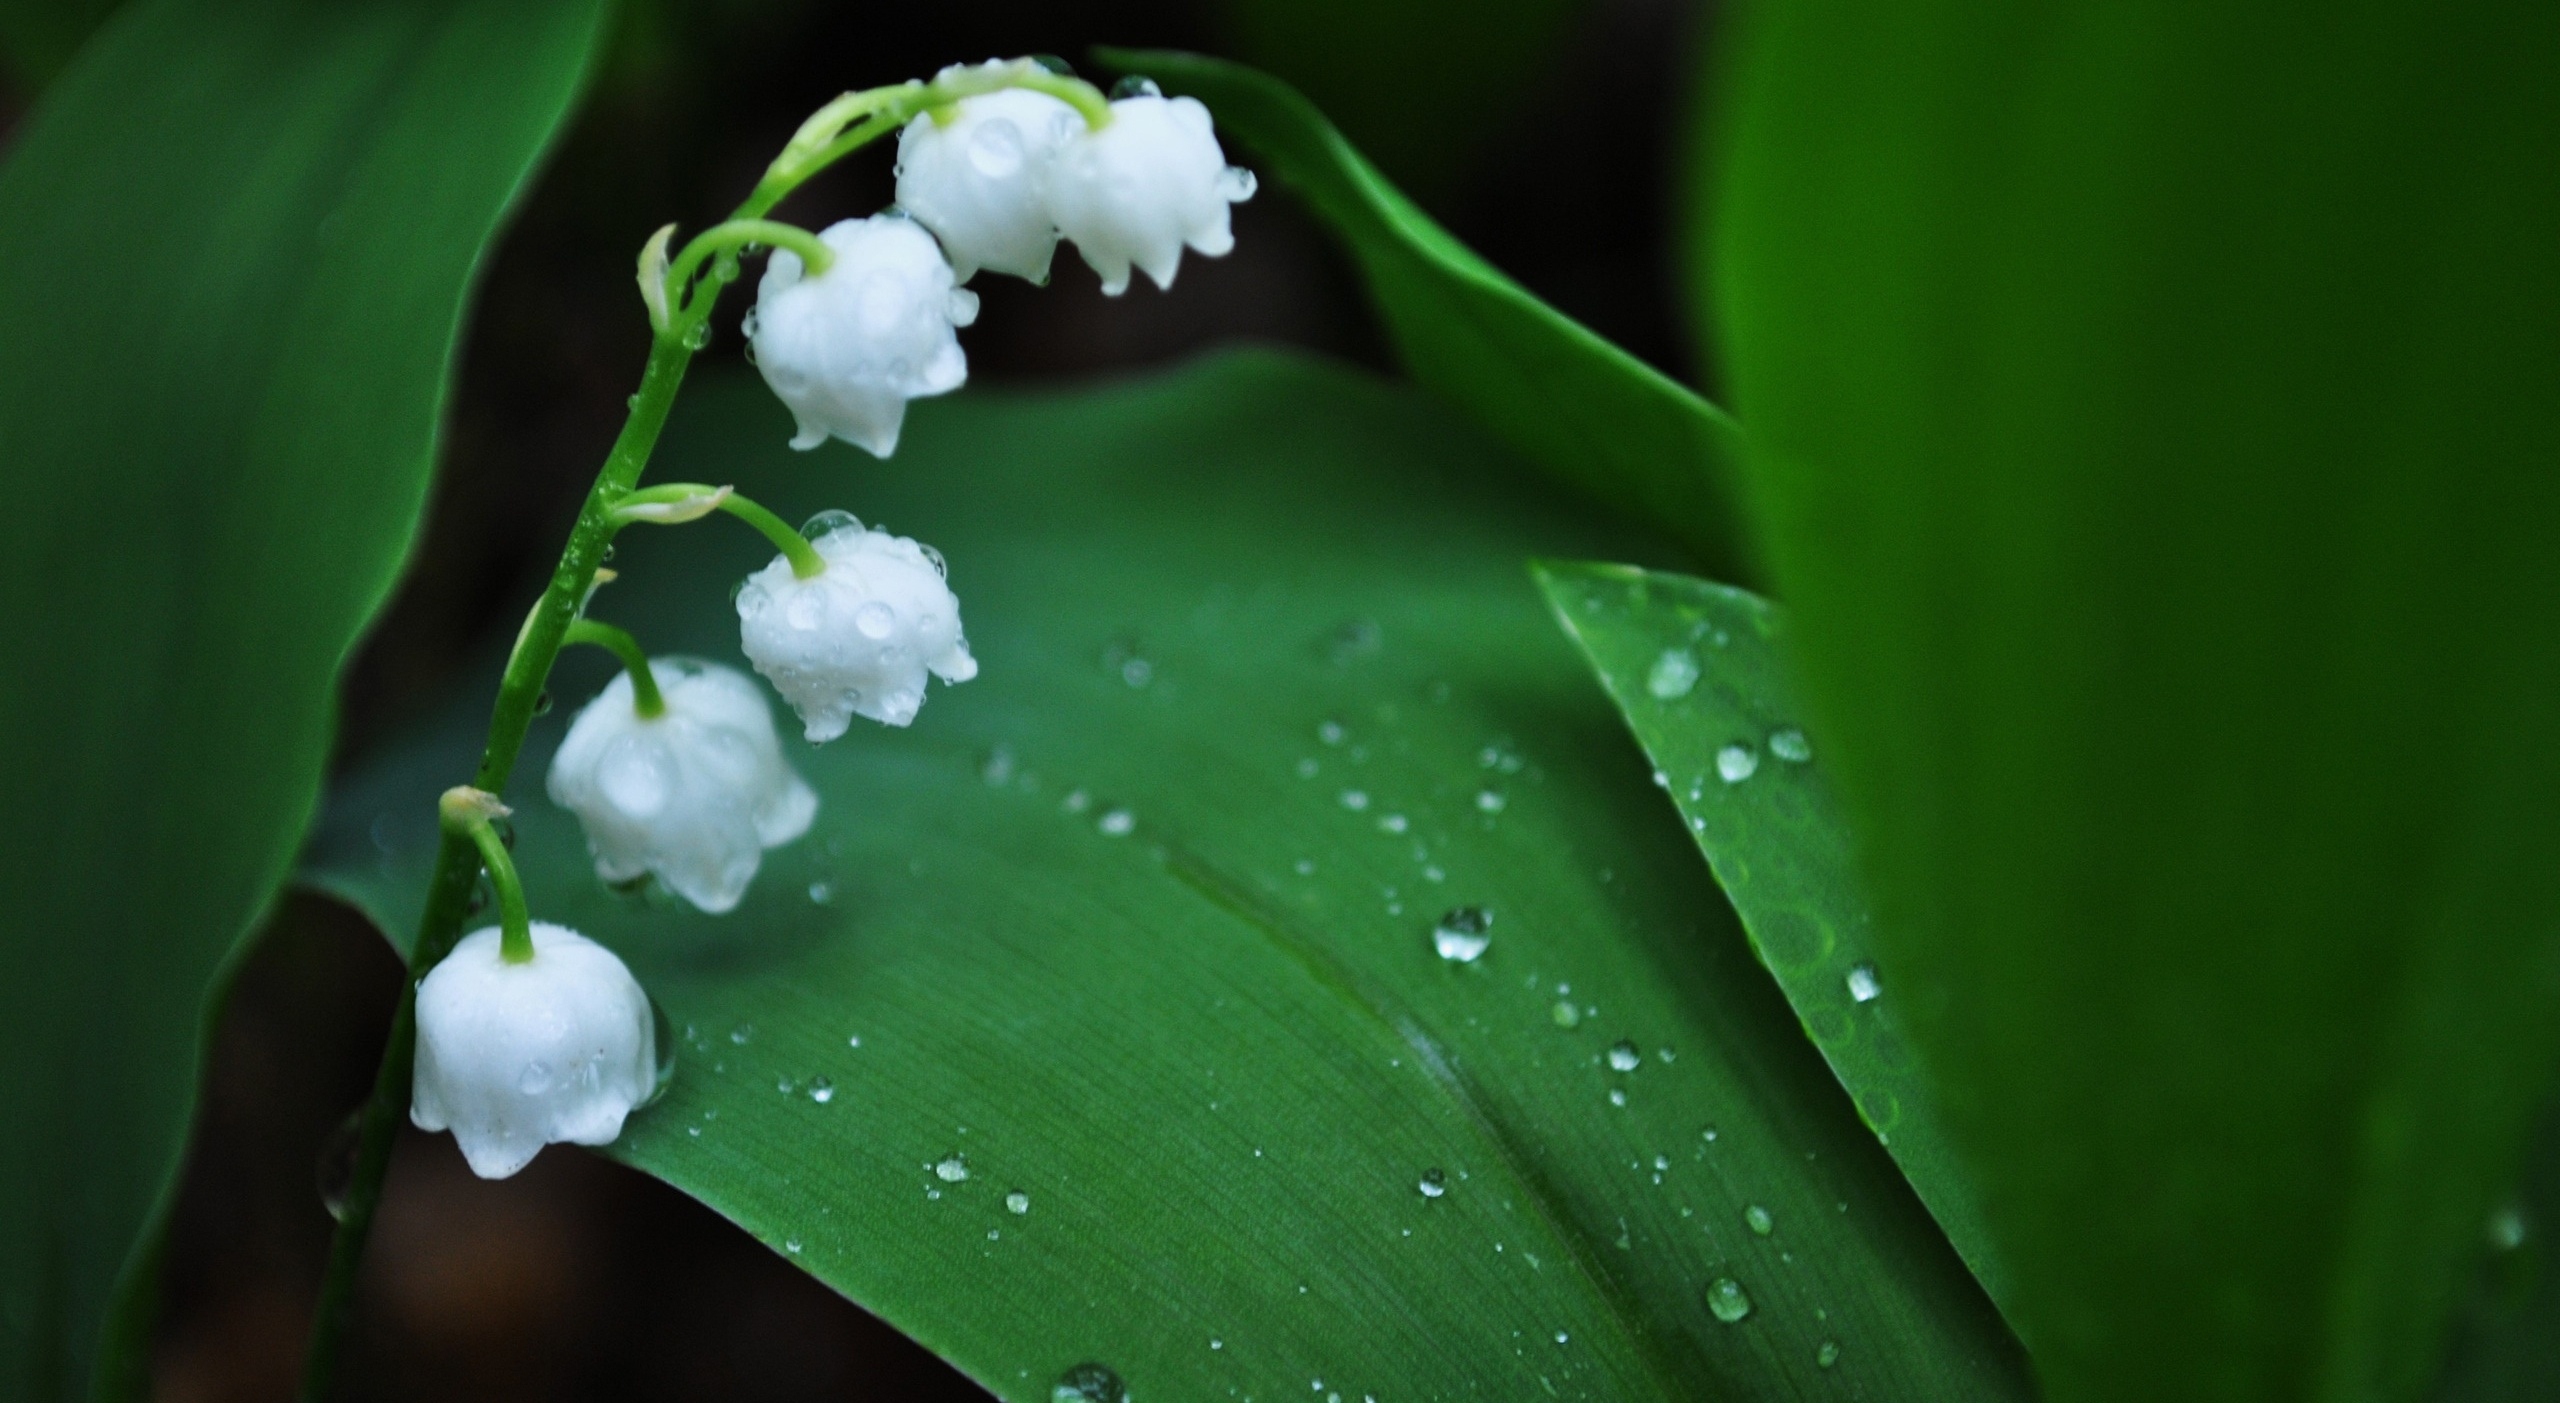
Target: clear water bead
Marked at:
821, 1090
1673, 674
1791, 746
1863, 984
1432, 1184
1827, 1355
1463, 934
1727, 1301
1017, 1203
1759, 1219
1736, 763
1089, 1383
951, 1169
1566, 1014
1116, 823
1623, 1057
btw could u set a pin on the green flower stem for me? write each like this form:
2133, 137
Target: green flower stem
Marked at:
806, 563
729, 237
458, 859
473, 813
855, 120
645, 697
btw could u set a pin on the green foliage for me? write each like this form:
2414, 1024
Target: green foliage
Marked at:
1139, 924
1696, 669
2152, 409
1424, 86
240, 236
1586, 412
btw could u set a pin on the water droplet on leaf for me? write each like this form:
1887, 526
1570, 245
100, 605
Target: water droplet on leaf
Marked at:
1089, 1383
1624, 1057
1433, 1183
1673, 675
1736, 763
1863, 984
1727, 1301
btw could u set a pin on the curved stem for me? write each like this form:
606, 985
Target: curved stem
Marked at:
458, 860
728, 237
806, 563
473, 813
674, 503
855, 120
645, 697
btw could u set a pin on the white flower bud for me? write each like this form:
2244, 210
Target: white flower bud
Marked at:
858, 638
848, 348
1139, 189
978, 184
694, 794
511, 1058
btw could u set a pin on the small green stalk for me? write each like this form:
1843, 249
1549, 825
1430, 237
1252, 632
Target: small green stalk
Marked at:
473, 814
674, 503
646, 699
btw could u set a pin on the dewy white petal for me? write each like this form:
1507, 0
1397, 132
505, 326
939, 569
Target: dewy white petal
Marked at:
847, 349
859, 638
978, 182
694, 795
1140, 189
557, 1050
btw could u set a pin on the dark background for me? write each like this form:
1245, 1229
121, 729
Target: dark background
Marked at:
1542, 132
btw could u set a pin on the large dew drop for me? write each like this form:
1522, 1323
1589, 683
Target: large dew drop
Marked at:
1863, 984
1736, 763
951, 1169
1727, 1301
1673, 674
1624, 1057
1089, 1383
1433, 1183
1463, 934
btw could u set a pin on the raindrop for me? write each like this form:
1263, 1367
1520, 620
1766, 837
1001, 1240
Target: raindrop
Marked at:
336, 1168
1330, 732
697, 336
1623, 1057
1727, 1301
1216, 1343
542, 704
1791, 746
821, 1090
1307, 767
663, 1044
1433, 1183
1562, 1337
1089, 1383
828, 522
1759, 1219
1863, 985
1076, 802
535, 1079
742, 1033
1392, 823
1490, 801
998, 768
1355, 799
1017, 1203
791, 1245
1566, 1015
2508, 1229
1116, 823
821, 893
1661, 1164
1463, 934
1674, 673
1709, 1134
1617, 1096
951, 1169
1736, 763
1828, 1355
1135, 86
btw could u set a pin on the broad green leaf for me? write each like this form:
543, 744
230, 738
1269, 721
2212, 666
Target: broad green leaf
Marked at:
1140, 924
2152, 410
1696, 670
2506, 1338
239, 237
1586, 412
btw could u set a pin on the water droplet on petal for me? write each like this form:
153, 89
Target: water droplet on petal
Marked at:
535, 1079
876, 620
1727, 1301
828, 522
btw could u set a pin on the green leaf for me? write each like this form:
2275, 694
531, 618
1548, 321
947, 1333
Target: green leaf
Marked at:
1590, 415
1695, 669
239, 236
1269, 619
2152, 407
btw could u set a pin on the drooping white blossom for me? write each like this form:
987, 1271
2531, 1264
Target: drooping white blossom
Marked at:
846, 349
976, 176
513, 1057
859, 638
1141, 188
694, 794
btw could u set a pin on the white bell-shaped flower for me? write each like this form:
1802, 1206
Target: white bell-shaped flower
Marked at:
1144, 186
978, 180
694, 794
847, 348
858, 638
513, 1057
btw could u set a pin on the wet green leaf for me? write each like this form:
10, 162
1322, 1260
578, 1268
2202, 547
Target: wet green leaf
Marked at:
1696, 669
2152, 406
238, 238
1587, 413
1140, 925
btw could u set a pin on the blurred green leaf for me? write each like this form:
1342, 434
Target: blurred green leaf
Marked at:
1140, 924
2153, 411
39, 37
2506, 1338
1422, 87
1586, 412
239, 236
1696, 670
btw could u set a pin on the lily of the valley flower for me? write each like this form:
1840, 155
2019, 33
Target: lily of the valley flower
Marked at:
978, 181
694, 794
857, 638
1141, 188
847, 348
515, 1056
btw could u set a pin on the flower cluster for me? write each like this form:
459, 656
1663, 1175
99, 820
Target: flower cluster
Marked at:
528, 1032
